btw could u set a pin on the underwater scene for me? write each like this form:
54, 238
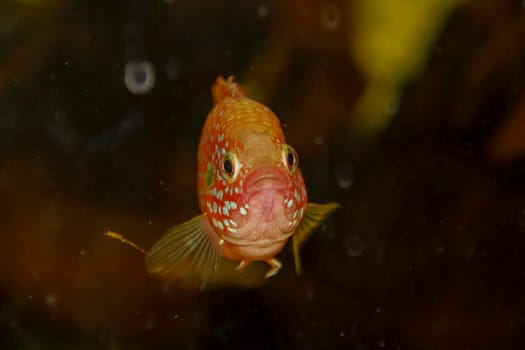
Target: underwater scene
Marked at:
317, 174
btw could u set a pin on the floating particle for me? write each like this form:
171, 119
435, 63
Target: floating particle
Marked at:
172, 68
392, 106
51, 300
150, 323
331, 16
139, 77
344, 175
262, 11
318, 141
354, 246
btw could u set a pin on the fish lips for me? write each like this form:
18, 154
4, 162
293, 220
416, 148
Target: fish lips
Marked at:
269, 179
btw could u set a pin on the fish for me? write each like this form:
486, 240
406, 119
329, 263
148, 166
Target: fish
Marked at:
251, 194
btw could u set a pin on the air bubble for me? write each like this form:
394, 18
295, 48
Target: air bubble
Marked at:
262, 11
344, 175
51, 300
139, 77
318, 141
354, 246
392, 106
172, 68
331, 16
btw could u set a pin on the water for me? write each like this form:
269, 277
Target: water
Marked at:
101, 109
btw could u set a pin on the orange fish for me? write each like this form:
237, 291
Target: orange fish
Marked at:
251, 193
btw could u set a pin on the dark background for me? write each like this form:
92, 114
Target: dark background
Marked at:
426, 251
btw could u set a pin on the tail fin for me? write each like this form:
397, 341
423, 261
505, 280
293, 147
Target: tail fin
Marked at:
222, 89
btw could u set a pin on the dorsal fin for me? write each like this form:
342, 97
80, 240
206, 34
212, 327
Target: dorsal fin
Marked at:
222, 89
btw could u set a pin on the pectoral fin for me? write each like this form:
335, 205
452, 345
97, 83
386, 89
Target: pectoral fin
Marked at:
312, 218
190, 247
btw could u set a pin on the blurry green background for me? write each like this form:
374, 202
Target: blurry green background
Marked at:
409, 113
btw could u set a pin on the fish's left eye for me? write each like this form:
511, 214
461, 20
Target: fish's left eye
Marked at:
290, 158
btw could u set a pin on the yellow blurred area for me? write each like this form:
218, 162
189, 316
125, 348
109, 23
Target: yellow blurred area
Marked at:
390, 42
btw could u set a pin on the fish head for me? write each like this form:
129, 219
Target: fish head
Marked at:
258, 194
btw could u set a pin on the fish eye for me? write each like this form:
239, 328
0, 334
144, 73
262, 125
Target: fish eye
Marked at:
229, 166
290, 158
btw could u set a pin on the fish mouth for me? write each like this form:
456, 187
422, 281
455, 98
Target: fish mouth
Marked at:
265, 179
255, 242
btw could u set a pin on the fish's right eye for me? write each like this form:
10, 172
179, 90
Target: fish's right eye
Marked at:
229, 166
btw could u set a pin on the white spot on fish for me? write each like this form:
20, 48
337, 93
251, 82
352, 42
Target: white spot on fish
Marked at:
237, 190
243, 211
209, 205
296, 194
220, 194
233, 205
290, 203
231, 229
220, 225
227, 144
223, 150
294, 215
233, 223
225, 210
214, 208
226, 222
220, 210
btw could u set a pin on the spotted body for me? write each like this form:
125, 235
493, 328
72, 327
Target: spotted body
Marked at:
251, 192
